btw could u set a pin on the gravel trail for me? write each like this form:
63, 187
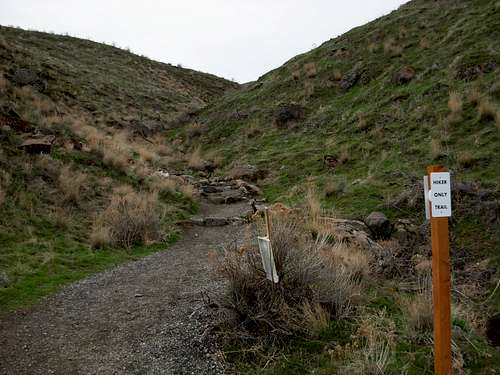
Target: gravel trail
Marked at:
144, 317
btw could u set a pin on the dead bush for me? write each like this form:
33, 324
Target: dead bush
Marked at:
306, 278
131, 218
71, 183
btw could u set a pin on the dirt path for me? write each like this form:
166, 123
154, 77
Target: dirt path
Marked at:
145, 317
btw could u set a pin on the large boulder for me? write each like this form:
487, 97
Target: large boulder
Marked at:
379, 225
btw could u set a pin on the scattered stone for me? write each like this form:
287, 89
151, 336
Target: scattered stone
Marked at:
379, 225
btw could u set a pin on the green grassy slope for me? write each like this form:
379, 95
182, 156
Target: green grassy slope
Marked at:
384, 132
109, 102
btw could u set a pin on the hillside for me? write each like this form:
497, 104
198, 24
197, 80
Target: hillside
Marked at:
361, 116
80, 143
357, 120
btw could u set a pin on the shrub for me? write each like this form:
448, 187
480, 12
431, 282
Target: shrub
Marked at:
131, 218
311, 287
71, 183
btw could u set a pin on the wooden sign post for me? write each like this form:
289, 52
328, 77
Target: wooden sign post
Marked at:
440, 210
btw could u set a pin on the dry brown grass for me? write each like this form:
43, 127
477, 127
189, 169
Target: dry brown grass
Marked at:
466, 159
2, 196
195, 161
316, 317
455, 102
337, 75
146, 155
43, 105
377, 333
100, 237
437, 150
310, 70
424, 43
188, 191
486, 109
391, 46
131, 218
308, 88
4, 84
474, 96
195, 130
373, 47
71, 184
418, 307
355, 260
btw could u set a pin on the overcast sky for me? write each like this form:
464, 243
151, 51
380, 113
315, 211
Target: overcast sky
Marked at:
238, 40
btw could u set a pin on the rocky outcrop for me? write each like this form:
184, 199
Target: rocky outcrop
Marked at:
37, 145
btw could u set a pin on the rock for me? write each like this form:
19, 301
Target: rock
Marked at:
4, 280
37, 145
251, 189
404, 75
199, 221
351, 77
493, 330
248, 172
380, 227
287, 113
25, 77
213, 221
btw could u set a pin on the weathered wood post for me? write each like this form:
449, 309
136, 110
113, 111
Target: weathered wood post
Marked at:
439, 199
